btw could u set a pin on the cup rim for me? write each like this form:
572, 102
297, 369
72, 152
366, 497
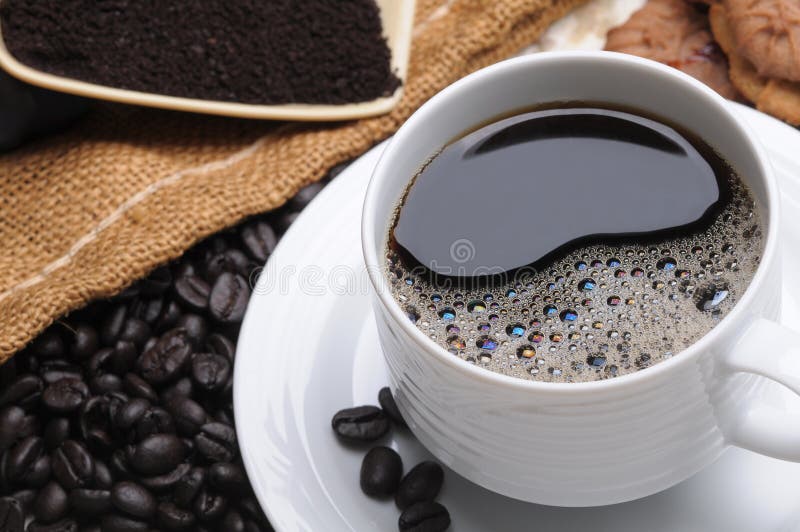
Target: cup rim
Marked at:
381, 286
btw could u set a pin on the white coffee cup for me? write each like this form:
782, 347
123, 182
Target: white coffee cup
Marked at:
603, 442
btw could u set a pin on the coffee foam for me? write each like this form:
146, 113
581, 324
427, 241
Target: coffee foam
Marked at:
599, 311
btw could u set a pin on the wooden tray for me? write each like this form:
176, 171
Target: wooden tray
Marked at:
397, 17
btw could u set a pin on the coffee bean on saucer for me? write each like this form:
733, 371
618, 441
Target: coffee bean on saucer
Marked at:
134, 500
381, 471
426, 516
50, 504
229, 297
360, 424
11, 517
422, 483
386, 400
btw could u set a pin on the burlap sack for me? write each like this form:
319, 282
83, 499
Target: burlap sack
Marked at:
84, 214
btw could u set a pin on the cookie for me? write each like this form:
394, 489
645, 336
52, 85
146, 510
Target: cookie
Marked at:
767, 33
779, 98
677, 34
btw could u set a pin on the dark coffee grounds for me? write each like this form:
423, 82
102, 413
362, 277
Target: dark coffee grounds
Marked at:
250, 51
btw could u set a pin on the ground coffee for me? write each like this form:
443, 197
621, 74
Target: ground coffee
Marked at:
251, 51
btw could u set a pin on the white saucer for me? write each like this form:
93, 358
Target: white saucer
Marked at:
308, 347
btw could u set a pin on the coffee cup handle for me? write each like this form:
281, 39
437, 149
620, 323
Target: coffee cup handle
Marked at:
770, 350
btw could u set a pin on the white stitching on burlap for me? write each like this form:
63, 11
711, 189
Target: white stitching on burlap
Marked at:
154, 187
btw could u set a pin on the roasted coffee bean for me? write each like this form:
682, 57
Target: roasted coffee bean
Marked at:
22, 456
221, 345
287, 218
134, 500
84, 342
192, 291
100, 361
95, 423
216, 442
251, 510
65, 525
157, 282
105, 383
102, 475
135, 386
12, 418
188, 415
196, 329
386, 400
157, 454
24, 391
49, 344
426, 516
72, 465
229, 296
381, 471
170, 315
181, 388
217, 264
123, 357
135, 331
90, 502
121, 523
56, 369
38, 474
65, 396
210, 372
131, 412
119, 466
155, 420
162, 483
232, 521
422, 483
171, 517
259, 240
209, 506
167, 358
50, 504
12, 519
147, 310
26, 499
112, 326
227, 478
187, 488
360, 424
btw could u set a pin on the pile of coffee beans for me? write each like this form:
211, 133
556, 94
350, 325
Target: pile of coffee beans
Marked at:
119, 417
382, 468
249, 51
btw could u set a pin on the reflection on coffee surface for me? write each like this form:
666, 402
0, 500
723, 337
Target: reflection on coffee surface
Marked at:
572, 244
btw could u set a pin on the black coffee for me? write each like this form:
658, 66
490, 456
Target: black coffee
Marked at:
572, 243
